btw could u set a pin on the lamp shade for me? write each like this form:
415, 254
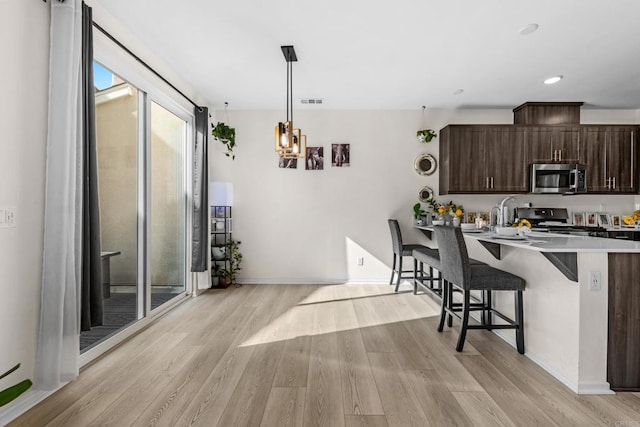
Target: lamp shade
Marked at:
220, 193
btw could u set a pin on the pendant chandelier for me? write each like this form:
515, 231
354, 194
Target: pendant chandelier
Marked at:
290, 142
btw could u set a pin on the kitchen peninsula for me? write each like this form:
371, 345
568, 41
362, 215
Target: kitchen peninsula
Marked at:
581, 304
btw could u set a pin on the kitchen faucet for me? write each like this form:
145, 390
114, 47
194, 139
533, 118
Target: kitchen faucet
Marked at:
502, 218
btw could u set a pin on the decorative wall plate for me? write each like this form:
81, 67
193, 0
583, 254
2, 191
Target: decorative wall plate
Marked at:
424, 194
425, 164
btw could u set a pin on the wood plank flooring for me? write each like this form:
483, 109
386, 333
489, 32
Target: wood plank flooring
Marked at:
304, 355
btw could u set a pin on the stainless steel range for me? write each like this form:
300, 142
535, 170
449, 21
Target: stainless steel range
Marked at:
556, 220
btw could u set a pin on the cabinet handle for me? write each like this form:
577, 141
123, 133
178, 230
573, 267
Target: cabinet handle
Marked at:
614, 182
560, 155
608, 183
633, 162
486, 182
491, 182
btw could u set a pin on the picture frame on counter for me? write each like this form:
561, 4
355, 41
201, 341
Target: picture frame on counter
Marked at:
604, 220
578, 219
485, 217
616, 221
470, 217
591, 219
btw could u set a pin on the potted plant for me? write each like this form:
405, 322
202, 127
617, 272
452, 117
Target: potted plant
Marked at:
418, 212
426, 135
226, 135
224, 276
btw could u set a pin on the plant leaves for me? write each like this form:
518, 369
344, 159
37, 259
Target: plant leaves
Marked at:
11, 393
10, 371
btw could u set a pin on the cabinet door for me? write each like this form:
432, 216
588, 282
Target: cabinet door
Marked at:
553, 144
621, 152
593, 147
466, 159
566, 143
505, 159
539, 145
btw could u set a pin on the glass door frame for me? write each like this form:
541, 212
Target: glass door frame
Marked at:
169, 105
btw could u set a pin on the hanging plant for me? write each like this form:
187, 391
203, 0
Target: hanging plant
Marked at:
226, 135
426, 135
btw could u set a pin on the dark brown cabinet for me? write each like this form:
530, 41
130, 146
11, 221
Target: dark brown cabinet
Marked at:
610, 153
623, 347
483, 159
505, 159
553, 144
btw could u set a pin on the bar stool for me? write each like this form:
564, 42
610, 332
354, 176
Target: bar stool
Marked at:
463, 276
431, 257
401, 250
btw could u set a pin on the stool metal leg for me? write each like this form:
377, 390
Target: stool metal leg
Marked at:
415, 276
399, 272
489, 317
393, 269
450, 298
443, 306
520, 321
466, 300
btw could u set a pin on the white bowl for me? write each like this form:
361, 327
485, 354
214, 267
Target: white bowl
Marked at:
507, 231
438, 222
468, 226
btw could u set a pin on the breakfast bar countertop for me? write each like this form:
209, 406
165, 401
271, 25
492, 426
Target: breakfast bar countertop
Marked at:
550, 242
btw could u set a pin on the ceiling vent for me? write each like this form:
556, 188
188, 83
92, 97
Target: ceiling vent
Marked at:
311, 101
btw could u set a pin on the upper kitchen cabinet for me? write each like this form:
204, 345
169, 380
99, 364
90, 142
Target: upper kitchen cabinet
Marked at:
482, 159
610, 154
553, 144
547, 113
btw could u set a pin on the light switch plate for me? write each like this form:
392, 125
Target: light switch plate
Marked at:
8, 217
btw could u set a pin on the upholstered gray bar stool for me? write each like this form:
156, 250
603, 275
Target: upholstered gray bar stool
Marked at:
401, 250
431, 257
459, 273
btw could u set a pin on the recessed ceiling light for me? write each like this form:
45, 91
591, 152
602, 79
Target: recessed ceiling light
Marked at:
552, 80
457, 91
528, 29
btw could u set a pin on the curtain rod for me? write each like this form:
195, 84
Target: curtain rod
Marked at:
147, 66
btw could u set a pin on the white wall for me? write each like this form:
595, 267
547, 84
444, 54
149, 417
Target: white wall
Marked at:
24, 46
310, 226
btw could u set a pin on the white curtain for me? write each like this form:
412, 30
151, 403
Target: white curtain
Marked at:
58, 341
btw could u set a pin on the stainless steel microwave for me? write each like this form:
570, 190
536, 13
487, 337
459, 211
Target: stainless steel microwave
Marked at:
558, 178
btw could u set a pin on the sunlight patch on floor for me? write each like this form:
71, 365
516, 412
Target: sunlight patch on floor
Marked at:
334, 308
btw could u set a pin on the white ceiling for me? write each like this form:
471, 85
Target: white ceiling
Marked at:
372, 54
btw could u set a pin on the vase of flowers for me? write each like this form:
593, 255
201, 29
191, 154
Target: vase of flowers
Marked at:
456, 212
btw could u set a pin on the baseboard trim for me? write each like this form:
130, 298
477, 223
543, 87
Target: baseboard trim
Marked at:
578, 388
312, 281
23, 403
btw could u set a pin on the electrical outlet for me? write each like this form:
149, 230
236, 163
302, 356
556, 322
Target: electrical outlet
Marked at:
360, 261
595, 280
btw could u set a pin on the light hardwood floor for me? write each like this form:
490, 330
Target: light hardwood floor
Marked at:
302, 355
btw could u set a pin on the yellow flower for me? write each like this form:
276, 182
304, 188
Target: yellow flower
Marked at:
629, 220
524, 223
441, 210
459, 213
636, 214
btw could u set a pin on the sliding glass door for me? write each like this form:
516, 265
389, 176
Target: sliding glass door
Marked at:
142, 142
168, 204
117, 124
